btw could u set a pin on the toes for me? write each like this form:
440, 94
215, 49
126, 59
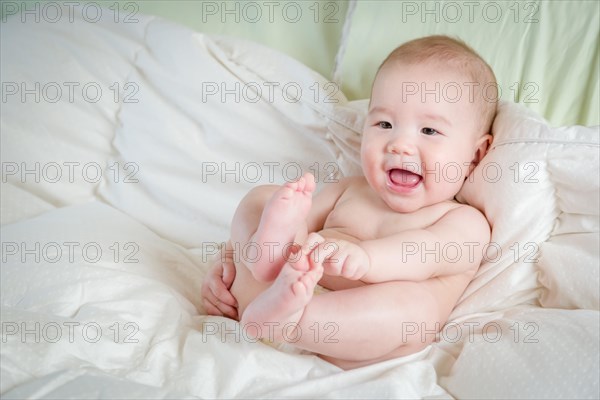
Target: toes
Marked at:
316, 274
310, 183
311, 278
304, 184
299, 262
299, 288
297, 185
287, 192
301, 183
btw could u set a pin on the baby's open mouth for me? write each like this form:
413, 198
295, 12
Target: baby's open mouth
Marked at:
404, 178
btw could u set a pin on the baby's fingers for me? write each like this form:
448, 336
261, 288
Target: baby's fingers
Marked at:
214, 284
323, 252
228, 273
213, 306
210, 308
332, 268
312, 241
218, 288
330, 257
352, 270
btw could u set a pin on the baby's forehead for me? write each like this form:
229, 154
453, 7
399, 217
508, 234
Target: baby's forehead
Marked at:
443, 65
429, 69
432, 80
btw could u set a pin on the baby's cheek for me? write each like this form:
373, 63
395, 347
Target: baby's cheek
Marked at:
446, 185
369, 160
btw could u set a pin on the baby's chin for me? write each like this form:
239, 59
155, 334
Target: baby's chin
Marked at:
406, 206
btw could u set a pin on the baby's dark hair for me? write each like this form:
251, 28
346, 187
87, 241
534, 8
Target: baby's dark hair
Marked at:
456, 54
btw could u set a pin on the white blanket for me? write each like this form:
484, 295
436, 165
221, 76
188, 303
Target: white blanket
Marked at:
102, 265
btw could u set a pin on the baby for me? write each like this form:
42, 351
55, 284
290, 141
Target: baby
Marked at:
393, 247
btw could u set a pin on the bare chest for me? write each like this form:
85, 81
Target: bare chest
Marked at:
362, 215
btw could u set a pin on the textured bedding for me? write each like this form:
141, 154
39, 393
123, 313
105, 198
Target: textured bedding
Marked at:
102, 266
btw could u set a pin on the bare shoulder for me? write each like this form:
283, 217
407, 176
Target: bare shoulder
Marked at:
466, 227
466, 211
465, 221
338, 186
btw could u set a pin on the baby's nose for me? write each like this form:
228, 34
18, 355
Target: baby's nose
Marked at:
401, 145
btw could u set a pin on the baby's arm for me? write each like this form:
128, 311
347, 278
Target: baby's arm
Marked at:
452, 245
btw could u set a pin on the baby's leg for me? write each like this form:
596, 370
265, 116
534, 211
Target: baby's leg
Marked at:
376, 322
362, 325
267, 223
281, 306
371, 323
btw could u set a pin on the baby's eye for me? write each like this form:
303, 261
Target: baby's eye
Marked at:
384, 125
429, 131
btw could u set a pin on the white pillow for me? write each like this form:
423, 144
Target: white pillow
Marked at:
538, 187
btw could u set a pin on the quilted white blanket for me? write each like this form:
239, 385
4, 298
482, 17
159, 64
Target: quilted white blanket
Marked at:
125, 149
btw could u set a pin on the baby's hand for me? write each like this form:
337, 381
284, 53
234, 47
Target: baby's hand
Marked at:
339, 257
216, 296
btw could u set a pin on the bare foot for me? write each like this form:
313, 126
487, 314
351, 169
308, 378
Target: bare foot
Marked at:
275, 313
282, 218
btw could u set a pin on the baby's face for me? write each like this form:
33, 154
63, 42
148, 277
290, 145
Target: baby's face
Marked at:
420, 138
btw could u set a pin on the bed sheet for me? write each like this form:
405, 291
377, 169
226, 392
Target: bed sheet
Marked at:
110, 308
72, 326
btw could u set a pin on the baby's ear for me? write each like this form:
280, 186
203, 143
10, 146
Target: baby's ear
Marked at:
481, 148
